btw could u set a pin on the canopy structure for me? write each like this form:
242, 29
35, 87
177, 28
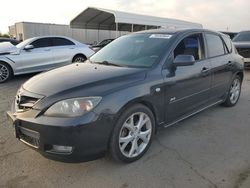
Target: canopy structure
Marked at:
104, 19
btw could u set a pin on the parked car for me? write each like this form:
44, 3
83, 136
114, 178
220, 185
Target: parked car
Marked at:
242, 44
12, 41
230, 34
117, 100
101, 44
40, 54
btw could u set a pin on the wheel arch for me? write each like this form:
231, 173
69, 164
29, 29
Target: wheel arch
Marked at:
240, 74
144, 102
9, 65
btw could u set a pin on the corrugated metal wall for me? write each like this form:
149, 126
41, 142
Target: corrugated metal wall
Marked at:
25, 30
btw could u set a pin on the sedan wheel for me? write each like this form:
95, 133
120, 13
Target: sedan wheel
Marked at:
4, 72
132, 134
79, 59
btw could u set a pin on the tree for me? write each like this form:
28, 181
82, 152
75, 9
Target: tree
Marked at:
4, 35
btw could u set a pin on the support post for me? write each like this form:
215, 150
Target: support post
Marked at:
98, 38
86, 35
116, 30
132, 28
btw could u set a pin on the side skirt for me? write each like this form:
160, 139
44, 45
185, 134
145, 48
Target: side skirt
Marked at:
189, 115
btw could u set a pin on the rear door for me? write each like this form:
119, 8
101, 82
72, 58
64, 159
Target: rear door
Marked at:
188, 86
63, 51
222, 65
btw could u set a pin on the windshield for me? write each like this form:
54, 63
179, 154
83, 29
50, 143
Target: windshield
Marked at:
24, 43
104, 42
137, 50
243, 36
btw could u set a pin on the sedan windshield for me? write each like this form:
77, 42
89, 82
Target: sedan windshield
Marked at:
137, 50
242, 36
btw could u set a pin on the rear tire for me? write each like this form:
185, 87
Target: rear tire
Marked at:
79, 59
132, 134
5, 72
234, 92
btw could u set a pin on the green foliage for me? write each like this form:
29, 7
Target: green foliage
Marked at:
4, 35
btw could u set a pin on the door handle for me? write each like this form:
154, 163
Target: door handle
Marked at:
205, 70
230, 63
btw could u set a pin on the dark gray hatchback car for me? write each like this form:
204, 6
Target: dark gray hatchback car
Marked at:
117, 99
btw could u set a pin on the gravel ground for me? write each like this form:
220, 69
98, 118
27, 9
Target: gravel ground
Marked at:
209, 150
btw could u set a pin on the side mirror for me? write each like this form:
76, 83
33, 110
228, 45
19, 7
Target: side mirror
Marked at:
184, 60
29, 47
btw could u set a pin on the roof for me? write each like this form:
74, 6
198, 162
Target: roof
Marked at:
105, 19
179, 30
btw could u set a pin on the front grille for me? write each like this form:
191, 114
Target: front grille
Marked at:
24, 102
244, 52
29, 137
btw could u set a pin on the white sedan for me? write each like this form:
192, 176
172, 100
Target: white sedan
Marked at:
40, 54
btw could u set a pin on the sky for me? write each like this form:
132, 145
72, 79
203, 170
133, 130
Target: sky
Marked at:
231, 15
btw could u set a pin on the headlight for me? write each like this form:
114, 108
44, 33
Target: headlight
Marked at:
73, 107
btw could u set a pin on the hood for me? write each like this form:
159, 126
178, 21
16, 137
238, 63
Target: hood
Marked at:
7, 48
242, 44
84, 79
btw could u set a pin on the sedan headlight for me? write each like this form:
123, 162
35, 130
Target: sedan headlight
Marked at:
73, 107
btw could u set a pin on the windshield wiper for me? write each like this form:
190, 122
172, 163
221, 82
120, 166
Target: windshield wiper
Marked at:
108, 63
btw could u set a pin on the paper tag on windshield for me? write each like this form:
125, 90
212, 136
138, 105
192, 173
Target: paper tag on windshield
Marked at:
160, 36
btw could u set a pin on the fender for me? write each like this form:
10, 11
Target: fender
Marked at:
10, 62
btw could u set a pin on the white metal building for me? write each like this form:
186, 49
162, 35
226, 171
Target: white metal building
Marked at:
25, 30
96, 24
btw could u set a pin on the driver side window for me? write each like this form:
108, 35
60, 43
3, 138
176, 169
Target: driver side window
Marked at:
42, 43
191, 45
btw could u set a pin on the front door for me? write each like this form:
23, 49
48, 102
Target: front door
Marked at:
187, 87
37, 59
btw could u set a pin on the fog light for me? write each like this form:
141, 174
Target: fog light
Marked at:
62, 149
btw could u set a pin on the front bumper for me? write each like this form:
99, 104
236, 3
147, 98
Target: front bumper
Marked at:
88, 135
247, 62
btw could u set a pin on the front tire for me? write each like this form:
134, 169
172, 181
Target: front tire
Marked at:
133, 133
5, 72
234, 92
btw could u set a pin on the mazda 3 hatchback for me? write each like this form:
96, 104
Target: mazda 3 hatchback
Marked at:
115, 102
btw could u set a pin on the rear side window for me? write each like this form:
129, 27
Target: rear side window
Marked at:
228, 43
62, 42
42, 43
215, 46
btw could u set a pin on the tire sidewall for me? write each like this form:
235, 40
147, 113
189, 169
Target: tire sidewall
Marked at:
10, 72
114, 142
228, 102
77, 56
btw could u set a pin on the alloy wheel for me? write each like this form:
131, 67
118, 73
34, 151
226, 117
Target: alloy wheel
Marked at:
79, 59
235, 91
4, 73
135, 134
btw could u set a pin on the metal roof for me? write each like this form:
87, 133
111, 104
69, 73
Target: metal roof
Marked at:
104, 19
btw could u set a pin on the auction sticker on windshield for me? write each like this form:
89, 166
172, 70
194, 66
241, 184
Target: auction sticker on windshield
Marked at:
160, 36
